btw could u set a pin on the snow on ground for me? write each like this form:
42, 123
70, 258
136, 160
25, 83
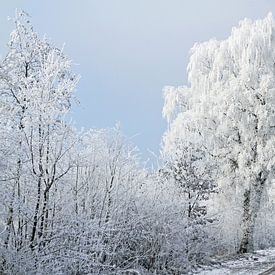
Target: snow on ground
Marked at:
249, 264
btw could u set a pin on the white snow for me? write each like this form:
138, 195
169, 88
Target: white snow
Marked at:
254, 263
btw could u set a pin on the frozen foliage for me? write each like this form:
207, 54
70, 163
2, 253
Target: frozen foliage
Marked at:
77, 202
187, 172
82, 202
228, 111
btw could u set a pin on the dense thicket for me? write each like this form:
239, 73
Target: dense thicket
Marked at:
83, 203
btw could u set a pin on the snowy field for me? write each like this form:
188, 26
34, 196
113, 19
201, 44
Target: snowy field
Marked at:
256, 263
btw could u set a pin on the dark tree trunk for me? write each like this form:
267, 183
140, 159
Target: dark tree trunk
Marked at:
251, 207
36, 211
247, 221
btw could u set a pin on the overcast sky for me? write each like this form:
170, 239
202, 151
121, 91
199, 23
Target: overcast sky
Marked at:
127, 50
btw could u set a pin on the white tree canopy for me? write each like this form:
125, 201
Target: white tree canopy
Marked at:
230, 101
230, 111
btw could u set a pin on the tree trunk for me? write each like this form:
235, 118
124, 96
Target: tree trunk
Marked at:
39, 182
9, 225
247, 222
36, 211
251, 207
44, 213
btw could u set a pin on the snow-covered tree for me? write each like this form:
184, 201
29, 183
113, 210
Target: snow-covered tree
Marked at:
36, 92
229, 110
189, 174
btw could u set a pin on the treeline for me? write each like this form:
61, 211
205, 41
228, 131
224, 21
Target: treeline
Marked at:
83, 203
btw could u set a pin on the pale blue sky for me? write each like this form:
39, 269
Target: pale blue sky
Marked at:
127, 50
